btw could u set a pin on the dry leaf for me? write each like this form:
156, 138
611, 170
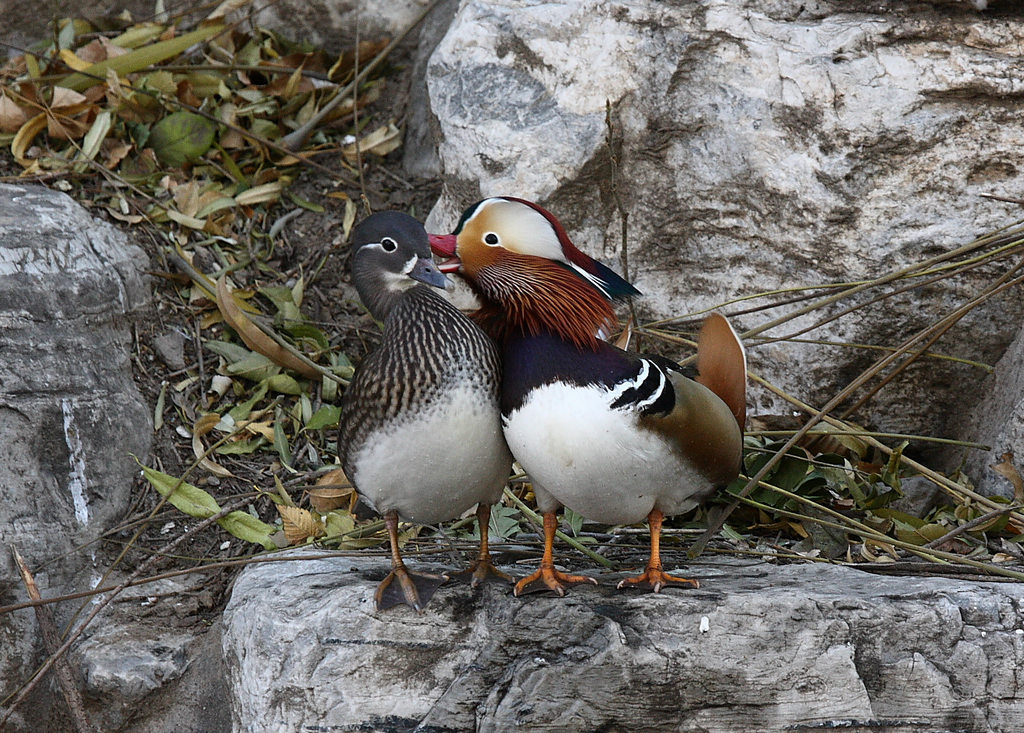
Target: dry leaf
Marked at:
91, 53
23, 139
260, 194
205, 462
186, 197
627, 333
1007, 470
379, 142
265, 428
299, 524
332, 491
116, 152
64, 97
201, 427
186, 221
205, 424
254, 338
226, 7
12, 117
868, 555
65, 128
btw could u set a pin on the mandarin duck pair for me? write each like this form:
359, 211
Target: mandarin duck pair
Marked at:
431, 416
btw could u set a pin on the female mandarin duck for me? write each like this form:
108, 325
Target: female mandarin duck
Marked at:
420, 432
613, 435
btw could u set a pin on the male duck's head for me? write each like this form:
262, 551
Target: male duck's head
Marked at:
390, 254
519, 259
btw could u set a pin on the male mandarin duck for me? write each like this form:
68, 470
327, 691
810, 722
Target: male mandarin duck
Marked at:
420, 433
613, 435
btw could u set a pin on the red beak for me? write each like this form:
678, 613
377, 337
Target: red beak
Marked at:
443, 245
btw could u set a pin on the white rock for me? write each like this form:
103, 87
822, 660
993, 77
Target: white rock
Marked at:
335, 23
760, 146
70, 414
805, 645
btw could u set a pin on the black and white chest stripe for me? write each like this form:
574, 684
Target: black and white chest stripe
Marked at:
647, 390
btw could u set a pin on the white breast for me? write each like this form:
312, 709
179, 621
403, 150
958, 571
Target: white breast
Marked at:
438, 463
596, 460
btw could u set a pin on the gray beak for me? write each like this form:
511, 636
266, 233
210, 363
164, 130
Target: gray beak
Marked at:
426, 272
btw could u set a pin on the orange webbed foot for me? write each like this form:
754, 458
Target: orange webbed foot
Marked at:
654, 578
412, 589
547, 578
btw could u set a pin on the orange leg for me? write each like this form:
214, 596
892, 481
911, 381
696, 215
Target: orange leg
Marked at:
654, 577
413, 589
546, 577
482, 568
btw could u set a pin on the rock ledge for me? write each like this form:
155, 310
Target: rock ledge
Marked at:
757, 647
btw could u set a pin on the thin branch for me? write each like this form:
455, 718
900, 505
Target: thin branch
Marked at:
51, 640
58, 653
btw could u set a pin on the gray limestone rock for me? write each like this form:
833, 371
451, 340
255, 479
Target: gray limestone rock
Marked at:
757, 647
758, 146
997, 420
70, 414
334, 24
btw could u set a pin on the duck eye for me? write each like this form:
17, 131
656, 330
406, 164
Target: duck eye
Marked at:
492, 239
388, 244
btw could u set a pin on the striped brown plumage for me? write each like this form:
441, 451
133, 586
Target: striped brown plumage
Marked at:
428, 346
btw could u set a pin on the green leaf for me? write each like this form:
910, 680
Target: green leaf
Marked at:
182, 137
338, 523
223, 202
341, 523
138, 34
242, 410
326, 416
897, 516
305, 331
187, 498
279, 295
921, 535
139, 133
207, 85
262, 128
574, 520
789, 472
504, 521
159, 81
230, 352
328, 389
891, 472
140, 58
241, 447
246, 527
94, 138
66, 37
256, 368
305, 204
285, 384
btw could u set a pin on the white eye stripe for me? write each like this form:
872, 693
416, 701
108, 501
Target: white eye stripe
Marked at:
386, 244
526, 230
